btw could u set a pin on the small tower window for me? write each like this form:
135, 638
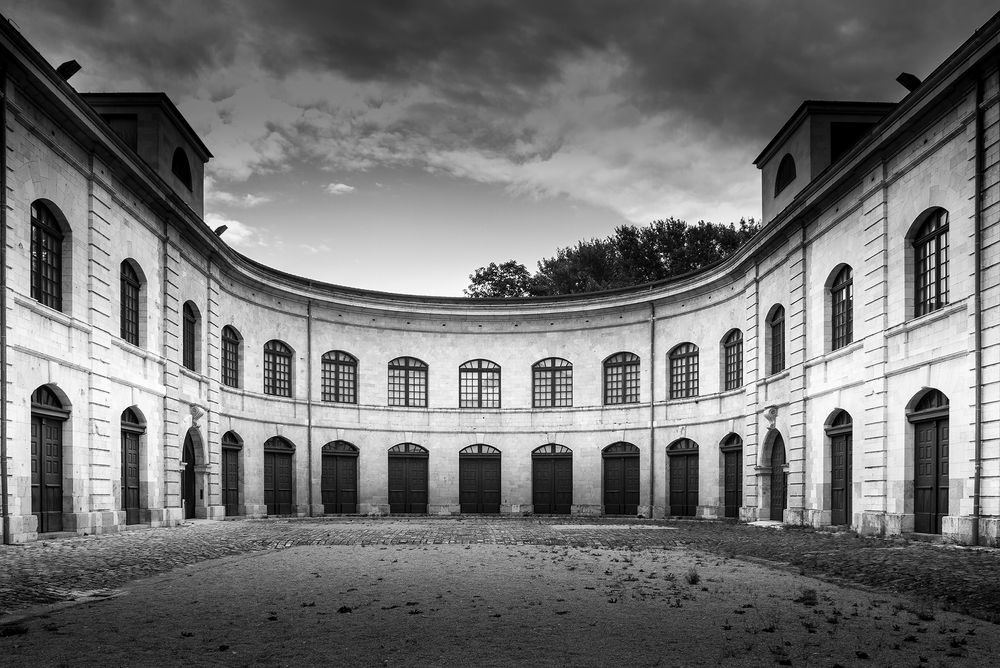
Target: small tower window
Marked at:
181, 167
786, 174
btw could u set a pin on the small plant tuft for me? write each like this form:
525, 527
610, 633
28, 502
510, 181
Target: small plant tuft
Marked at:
692, 576
807, 596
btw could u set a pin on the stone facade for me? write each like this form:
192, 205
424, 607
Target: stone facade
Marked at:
936, 150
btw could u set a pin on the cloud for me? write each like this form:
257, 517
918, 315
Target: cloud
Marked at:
237, 234
339, 189
246, 201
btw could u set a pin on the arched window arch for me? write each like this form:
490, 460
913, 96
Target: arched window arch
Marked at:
180, 166
684, 371
191, 338
339, 377
776, 338
732, 360
785, 175
46, 257
842, 308
232, 348
930, 263
552, 383
621, 379
407, 382
479, 384
131, 285
277, 369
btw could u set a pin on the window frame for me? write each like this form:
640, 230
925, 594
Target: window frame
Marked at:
230, 345
130, 294
684, 370
278, 380
776, 339
624, 386
552, 383
412, 373
732, 360
339, 377
473, 389
842, 308
935, 242
46, 259
189, 341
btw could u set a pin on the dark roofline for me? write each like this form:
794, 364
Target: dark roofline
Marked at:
820, 106
156, 99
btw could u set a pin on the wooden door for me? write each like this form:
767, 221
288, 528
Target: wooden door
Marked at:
930, 494
840, 479
339, 484
46, 472
130, 477
278, 483
407, 484
552, 485
733, 465
187, 480
779, 481
479, 484
621, 485
684, 485
231, 481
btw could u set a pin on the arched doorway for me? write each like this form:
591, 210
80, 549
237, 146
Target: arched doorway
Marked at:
552, 480
779, 480
840, 431
479, 479
682, 455
47, 418
732, 474
930, 461
279, 491
133, 427
188, 478
339, 480
407, 478
621, 479
232, 446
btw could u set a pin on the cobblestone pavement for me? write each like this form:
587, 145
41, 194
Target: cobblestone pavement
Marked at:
961, 579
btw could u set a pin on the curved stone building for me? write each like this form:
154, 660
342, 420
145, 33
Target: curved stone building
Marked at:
843, 368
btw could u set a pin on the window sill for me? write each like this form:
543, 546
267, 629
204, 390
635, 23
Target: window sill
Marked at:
925, 319
135, 350
835, 354
52, 314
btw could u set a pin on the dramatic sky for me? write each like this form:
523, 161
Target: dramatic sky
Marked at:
399, 145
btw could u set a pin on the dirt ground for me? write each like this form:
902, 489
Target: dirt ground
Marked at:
492, 605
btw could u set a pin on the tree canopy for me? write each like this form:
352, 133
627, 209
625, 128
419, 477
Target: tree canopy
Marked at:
631, 256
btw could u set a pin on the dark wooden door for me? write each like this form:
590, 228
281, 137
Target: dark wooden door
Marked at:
840, 479
278, 483
46, 472
407, 484
187, 480
130, 477
930, 494
621, 485
779, 481
684, 485
479, 484
552, 485
231, 481
733, 465
339, 484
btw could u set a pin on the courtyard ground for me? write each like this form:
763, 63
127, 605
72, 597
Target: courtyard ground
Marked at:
497, 591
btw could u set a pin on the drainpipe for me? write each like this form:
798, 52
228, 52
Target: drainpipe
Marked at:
3, 307
309, 403
977, 310
652, 406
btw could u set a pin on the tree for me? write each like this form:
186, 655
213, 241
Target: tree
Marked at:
631, 256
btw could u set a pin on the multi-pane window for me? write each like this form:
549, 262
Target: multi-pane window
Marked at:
407, 382
190, 355
230, 357
130, 286
930, 255
277, 369
732, 347
340, 377
684, 371
46, 257
776, 334
479, 384
552, 383
621, 379
842, 301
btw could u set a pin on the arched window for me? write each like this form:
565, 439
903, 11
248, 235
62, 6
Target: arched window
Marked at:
621, 379
231, 343
776, 338
340, 377
552, 383
407, 382
130, 286
842, 308
181, 167
479, 384
732, 370
190, 343
930, 263
46, 257
277, 369
684, 371
785, 175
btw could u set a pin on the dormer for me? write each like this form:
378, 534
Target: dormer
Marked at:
817, 135
153, 127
